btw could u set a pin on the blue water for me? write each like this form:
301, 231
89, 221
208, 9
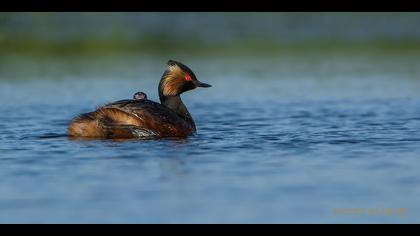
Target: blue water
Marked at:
286, 145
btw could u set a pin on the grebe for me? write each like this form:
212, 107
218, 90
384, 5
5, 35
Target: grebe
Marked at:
140, 96
143, 118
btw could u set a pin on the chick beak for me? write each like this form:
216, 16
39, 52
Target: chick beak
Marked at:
202, 85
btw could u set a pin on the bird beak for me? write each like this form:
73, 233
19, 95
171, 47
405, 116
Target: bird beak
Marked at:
202, 85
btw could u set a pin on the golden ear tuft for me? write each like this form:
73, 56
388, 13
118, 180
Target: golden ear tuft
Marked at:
173, 80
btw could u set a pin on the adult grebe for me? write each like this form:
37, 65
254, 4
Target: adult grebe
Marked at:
143, 118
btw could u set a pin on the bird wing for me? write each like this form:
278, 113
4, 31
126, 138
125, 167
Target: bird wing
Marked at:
148, 117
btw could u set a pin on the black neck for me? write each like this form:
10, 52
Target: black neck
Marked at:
175, 103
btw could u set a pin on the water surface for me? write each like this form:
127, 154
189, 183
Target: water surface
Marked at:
281, 139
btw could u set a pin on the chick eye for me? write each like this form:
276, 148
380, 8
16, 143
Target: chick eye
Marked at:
188, 77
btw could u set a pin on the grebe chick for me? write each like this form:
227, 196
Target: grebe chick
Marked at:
140, 96
143, 118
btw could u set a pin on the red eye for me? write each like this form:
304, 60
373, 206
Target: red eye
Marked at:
188, 77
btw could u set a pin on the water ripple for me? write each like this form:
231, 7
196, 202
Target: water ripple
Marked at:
256, 157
